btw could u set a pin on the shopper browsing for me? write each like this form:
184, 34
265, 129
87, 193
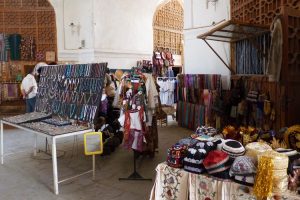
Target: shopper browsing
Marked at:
29, 91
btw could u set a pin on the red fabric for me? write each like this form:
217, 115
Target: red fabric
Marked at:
127, 126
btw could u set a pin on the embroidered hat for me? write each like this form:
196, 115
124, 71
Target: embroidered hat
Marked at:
193, 162
233, 148
245, 180
243, 166
176, 155
293, 156
217, 163
189, 141
204, 130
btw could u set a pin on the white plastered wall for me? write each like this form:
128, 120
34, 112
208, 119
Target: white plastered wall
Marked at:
198, 57
119, 32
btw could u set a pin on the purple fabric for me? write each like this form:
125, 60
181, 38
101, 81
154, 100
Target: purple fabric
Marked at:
135, 140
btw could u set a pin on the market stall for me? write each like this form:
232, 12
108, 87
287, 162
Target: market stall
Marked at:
67, 104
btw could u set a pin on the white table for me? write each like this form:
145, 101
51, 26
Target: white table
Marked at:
54, 151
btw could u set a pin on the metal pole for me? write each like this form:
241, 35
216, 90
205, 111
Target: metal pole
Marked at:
2, 152
35, 145
54, 163
94, 167
219, 57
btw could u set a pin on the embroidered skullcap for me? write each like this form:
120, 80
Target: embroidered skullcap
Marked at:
176, 155
195, 156
38, 66
233, 148
204, 130
217, 163
188, 141
244, 180
242, 165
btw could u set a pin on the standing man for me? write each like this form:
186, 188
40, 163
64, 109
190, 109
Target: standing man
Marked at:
29, 91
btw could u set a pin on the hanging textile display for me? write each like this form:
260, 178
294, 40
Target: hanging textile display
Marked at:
4, 47
28, 48
250, 55
14, 43
10, 91
195, 98
138, 96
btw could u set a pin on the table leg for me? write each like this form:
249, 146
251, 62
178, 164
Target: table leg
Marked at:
1, 135
94, 167
35, 145
54, 163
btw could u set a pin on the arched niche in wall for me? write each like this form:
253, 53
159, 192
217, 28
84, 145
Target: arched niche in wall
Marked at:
30, 18
168, 26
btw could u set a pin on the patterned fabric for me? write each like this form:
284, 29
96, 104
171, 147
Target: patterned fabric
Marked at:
4, 47
14, 43
40, 56
10, 91
175, 155
199, 187
28, 48
170, 183
242, 165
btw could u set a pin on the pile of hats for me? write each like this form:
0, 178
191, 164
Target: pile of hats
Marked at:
193, 162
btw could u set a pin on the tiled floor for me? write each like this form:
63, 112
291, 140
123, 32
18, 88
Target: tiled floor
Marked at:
24, 178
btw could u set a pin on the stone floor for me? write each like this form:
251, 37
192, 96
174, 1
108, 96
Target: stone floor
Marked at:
27, 178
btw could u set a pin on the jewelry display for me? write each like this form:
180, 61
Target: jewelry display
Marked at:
56, 122
28, 117
53, 130
71, 91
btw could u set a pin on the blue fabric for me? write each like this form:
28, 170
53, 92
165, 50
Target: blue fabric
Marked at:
30, 104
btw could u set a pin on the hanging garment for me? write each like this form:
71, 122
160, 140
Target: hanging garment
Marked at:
4, 47
14, 43
28, 48
275, 55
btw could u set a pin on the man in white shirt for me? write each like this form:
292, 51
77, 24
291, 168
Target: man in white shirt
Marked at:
29, 91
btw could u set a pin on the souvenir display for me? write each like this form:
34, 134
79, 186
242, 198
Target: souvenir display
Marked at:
27, 117
71, 91
53, 130
195, 99
167, 87
4, 47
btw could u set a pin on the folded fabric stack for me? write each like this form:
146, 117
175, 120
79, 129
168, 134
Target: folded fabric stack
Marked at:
176, 155
193, 162
293, 156
233, 148
243, 170
256, 148
271, 174
217, 163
